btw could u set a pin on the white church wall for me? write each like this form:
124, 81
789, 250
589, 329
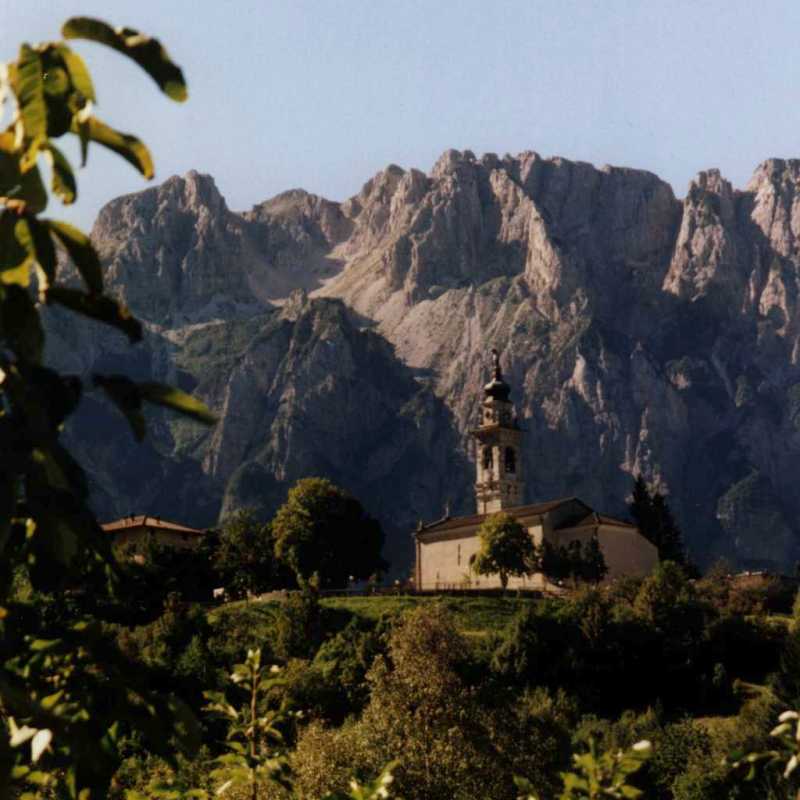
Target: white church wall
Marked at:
625, 550
445, 564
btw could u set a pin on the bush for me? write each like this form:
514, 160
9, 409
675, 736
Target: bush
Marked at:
325, 759
676, 746
177, 644
532, 737
298, 626
345, 659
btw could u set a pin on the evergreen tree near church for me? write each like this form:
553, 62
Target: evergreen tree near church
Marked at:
592, 567
653, 517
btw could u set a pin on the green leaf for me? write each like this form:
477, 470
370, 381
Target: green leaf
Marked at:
15, 260
29, 88
81, 251
78, 73
98, 307
125, 395
56, 81
9, 165
32, 191
20, 324
63, 183
81, 128
147, 52
61, 536
40, 743
177, 400
35, 238
50, 701
125, 145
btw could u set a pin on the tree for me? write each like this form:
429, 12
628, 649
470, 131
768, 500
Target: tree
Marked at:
592, 566
46, 524
255, 740
244, 557
188, 572
555, 561
323, 529
579, 561
655, 521
506, 548
663, 593
421, 707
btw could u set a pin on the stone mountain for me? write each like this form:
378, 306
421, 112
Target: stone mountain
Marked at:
642, 334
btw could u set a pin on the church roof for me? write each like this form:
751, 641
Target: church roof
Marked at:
532, 510
594, 519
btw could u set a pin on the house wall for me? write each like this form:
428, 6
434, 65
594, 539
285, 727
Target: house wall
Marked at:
444, 563
625, 550
136, 537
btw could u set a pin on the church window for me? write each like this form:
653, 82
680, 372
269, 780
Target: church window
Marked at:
487, 457
511, 460
459, 555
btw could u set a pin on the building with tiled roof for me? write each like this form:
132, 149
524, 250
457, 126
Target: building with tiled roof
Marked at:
135, 531
444, 548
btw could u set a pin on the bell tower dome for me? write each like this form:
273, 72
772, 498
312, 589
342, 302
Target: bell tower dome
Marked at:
499, 482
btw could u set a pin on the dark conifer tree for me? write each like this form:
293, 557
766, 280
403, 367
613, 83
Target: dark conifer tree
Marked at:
593, 566
641, 509
654, 518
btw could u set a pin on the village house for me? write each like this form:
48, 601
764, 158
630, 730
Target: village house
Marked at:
444, 548
133, 533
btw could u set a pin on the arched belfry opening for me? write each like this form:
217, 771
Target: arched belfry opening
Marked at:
499, 480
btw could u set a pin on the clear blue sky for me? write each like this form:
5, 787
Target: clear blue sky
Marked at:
321, 95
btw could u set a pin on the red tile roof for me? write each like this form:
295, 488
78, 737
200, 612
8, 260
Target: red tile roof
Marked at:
145, 521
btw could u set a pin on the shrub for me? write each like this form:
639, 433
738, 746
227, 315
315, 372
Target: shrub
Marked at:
298, 625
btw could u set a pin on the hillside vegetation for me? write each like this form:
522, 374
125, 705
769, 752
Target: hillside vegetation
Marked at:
469, 692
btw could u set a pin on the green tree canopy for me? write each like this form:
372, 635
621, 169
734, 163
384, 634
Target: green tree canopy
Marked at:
506, 548
655, 521
663, 593
244, 556
322, 529
576, 560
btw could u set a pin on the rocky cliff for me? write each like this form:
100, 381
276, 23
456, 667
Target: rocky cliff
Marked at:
641, 334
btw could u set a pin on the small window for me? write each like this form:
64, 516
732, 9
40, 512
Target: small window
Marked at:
511, 460
487, 457
459, 555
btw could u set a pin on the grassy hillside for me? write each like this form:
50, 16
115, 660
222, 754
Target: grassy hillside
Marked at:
475, 617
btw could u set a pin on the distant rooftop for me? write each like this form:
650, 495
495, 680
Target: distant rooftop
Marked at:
146, 521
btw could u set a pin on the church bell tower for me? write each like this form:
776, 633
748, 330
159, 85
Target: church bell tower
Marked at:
499, 465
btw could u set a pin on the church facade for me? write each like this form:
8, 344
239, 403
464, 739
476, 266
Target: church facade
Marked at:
444, 548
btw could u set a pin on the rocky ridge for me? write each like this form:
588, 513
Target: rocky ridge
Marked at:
641, 334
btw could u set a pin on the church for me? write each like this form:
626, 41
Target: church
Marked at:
444, 548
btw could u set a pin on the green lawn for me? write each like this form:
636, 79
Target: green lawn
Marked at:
474, 616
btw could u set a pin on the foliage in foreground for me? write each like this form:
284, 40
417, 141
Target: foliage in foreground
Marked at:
65, 688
